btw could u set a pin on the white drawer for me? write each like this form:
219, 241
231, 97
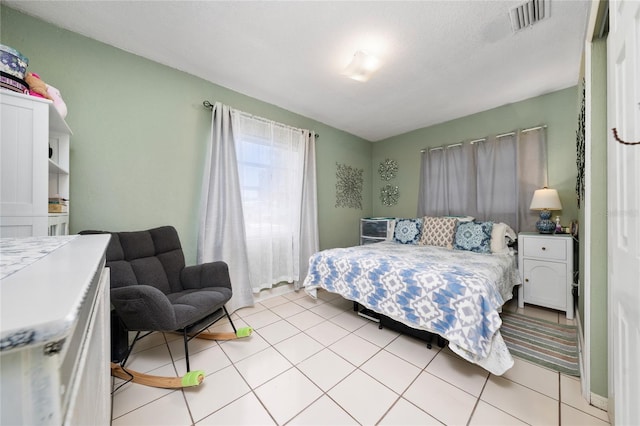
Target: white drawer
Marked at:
545, 248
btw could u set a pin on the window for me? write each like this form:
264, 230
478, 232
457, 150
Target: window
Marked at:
270, 160
490, 179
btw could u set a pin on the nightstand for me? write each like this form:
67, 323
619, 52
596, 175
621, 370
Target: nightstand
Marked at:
545, 262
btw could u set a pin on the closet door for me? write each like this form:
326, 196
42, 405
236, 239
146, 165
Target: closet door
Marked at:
623, 111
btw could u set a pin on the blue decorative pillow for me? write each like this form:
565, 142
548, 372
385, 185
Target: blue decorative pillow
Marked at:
407, 231
474, 236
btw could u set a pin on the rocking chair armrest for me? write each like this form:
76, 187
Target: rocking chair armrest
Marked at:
143, 308
212, 274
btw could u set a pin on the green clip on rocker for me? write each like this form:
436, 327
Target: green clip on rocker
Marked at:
152, 290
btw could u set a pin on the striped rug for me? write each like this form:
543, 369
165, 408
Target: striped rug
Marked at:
542, 342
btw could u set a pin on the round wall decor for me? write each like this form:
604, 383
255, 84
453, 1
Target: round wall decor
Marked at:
389, 195
388, 169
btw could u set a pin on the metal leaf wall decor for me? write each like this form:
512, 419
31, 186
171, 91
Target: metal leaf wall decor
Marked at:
580, 150
349, 186
389, 195
388, 169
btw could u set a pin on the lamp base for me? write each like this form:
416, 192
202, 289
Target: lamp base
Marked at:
545, 225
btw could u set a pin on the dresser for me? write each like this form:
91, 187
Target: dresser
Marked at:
54, 331
545, 262
376, 229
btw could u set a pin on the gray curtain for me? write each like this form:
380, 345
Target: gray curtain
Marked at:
497, 180
532, 174
448, 181
493, 179
432, 198
222, 232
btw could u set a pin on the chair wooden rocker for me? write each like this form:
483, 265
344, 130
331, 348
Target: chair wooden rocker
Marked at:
153, 291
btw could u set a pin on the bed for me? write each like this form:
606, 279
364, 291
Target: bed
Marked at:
456, 294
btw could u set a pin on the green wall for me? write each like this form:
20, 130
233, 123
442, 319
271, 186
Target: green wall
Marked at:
140, 134
557, 110
597, 190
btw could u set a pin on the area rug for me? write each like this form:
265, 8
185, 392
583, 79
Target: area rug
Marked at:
542, 342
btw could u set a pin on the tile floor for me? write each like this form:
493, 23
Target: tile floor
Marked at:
315, 362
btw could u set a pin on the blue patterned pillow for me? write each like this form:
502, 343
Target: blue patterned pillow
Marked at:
407, 231
474, 236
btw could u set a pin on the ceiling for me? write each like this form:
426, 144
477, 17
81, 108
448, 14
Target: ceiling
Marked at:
440, 59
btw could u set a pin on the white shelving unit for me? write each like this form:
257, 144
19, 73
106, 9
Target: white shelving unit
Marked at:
29, 127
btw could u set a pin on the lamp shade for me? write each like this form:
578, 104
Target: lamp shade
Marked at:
545, 199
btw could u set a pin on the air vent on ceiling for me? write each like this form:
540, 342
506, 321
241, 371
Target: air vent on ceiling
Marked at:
529, 13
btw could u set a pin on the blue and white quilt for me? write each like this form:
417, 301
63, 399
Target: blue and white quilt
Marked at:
456, 294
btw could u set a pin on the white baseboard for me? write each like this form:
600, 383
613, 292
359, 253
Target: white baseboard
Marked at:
584, 382
599, 401
594, 399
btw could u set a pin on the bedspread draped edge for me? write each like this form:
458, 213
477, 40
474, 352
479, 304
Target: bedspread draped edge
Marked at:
496, 359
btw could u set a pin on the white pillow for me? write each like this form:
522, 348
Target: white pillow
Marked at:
499, 234
463, 218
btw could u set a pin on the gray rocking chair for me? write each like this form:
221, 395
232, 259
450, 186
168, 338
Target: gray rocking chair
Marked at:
152, 290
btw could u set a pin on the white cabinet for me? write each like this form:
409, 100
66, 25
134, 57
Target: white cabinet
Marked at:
55, 331
31, 131
376, 229
546, 269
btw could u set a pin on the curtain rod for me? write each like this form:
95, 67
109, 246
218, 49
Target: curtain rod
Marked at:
504, 135
443, 147
209, 105
530, 129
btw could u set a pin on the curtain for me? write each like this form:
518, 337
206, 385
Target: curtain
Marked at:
497, 180
276, 164
448, 182
432, 196
309, 234
461, 179
222, 231
532, 174
493, 179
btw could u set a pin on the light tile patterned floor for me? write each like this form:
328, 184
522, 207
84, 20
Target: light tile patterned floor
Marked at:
315, 362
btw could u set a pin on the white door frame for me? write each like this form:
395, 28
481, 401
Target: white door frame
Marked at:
585, 275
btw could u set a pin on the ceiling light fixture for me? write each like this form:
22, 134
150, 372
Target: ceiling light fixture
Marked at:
362, 66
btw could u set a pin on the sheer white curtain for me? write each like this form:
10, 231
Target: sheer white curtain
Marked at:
493, 179
222, 231
276, 165
309, 234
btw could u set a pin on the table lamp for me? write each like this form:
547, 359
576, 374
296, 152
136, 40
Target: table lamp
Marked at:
545, 200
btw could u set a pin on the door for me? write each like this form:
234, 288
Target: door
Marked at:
623, 104
545, 283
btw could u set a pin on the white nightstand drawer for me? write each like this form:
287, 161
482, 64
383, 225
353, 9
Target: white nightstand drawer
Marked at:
545, 248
